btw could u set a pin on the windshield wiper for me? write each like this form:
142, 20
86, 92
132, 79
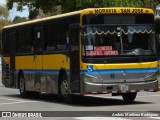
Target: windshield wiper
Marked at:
138, 51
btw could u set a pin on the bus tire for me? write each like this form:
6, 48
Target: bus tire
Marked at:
64, 91
129, 97
22, 88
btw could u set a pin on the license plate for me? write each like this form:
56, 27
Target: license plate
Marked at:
123, 87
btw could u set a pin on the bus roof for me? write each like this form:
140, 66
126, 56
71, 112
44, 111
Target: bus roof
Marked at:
108, 10
43, 19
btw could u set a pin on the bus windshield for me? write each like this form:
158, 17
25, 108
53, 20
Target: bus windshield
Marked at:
102, 40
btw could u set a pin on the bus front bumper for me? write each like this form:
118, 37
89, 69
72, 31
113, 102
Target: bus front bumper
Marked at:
105, 88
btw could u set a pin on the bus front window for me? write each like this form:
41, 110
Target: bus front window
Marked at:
118, 40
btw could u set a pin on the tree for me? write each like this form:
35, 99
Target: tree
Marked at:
3, 12
19, 19
34, 6
3, 19
49, 6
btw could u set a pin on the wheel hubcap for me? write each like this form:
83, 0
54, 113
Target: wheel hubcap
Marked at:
21, 85
64, 88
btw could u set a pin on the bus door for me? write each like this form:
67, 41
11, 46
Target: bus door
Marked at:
12, 51
74, 58
158, 40
38, 57
158, 37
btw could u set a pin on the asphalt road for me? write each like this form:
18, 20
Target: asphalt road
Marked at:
10, 100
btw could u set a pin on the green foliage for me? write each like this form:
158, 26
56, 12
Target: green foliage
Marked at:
128, 3
3, 22
3, 12
18, 19
48, 6
71, 5
152, 3
33, 5
3, 19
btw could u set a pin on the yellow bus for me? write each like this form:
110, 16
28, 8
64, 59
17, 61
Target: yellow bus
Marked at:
91, 51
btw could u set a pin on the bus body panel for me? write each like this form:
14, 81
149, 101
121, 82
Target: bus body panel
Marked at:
6, 71
43, 78
93, 88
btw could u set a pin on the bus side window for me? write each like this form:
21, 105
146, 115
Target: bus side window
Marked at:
38, 39
6, 42
51, 37
29, 41
21, 47
61, 39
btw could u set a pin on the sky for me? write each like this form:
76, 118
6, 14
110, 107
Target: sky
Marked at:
14, 12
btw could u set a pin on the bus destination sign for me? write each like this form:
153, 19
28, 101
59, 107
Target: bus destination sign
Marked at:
124, 10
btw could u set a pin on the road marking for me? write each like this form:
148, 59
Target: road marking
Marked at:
15, 99
115, 118
100, 118
11, 99
156, 118
150, 96
15, 102
120, 96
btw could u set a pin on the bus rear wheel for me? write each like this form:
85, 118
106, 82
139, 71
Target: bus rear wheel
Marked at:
64, 91
129, 97
22, 89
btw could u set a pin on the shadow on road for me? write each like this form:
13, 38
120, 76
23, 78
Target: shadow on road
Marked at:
82, 101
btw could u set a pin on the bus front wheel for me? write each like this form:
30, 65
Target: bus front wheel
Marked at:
129, 97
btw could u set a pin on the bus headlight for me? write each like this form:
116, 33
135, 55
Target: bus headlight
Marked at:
91, 79
153, 76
